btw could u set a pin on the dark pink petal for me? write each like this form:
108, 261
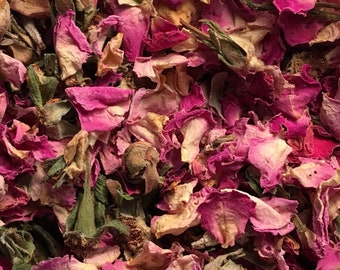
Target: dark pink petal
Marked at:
325, 209
225, 215
329, 115
290, 128
298, 29
294, 99
134, 23
195, 98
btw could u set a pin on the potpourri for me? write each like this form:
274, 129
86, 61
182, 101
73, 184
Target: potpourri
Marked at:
169, 134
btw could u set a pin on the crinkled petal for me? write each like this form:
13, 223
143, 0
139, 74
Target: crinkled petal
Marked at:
325, 204
299, 29
154, 257
71, 45
272, 215
100, 108
329, 115
295, 6
112, 56
269, 156
184, 218
12, 69
225, 215
152, 66
303, 89
312, 172
66, 262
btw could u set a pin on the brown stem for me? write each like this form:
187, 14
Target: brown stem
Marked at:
198, 32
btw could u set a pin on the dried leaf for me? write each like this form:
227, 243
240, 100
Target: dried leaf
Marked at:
41, 87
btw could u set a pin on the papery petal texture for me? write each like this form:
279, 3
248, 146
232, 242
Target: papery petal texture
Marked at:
71, 45
100, 108
66, 262
225, 215
297, 7
134, 24
272, 215
330, 113
12, 69
269, 156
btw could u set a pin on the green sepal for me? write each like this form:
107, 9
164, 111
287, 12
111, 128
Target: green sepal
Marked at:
57, 167
41, 87
117, 226
21, 265
85, 221
17, 245
228, 51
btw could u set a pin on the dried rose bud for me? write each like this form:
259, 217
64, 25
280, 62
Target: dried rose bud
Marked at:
140, 160
5, 17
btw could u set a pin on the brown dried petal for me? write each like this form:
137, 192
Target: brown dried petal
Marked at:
75, 154
5, 17
140, 160
112, 56
31, 8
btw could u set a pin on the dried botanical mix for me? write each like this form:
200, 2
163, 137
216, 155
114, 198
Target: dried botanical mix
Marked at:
180, 134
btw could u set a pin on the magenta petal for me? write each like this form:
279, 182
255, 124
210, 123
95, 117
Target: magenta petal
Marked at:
295, 6
134, 24
298, 29
100, 108
71, 45
294, 99
331, 260
225, 215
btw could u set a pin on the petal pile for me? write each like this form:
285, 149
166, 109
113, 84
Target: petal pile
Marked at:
171, 135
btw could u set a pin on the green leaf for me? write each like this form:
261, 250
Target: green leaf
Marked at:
43, 239
99, 213
41, 87
252, 175
125, 196
117, 225
57, 166
33, 85
101, 193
